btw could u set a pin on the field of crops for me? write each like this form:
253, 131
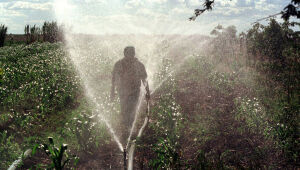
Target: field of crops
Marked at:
207, 111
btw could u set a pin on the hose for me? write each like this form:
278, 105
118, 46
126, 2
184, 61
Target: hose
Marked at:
19, 161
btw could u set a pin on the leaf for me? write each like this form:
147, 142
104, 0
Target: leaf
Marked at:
34, 149
66, 161
76, 160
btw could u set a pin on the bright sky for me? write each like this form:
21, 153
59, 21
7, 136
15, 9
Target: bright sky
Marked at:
135, 16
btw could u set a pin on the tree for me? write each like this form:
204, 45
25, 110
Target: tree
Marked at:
3, 31
225, 44
277, 46
291, 10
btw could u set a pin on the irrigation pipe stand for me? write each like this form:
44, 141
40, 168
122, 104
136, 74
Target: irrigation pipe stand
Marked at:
124, 156
132, 147
19, 161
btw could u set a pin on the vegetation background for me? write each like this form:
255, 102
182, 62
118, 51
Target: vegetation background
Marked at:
234, 106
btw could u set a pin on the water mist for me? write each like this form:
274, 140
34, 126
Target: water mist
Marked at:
96, 43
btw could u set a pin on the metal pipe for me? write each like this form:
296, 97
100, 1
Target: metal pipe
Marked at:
124, 156
19, 161
132, 147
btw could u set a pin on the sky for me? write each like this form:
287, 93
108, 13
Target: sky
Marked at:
135, 16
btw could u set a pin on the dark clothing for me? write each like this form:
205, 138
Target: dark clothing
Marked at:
128, 108
127, 76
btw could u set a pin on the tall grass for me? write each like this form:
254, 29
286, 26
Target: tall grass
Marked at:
32, 33
52, 32
3, 31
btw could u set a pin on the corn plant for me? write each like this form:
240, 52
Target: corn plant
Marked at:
57, 154
3, 31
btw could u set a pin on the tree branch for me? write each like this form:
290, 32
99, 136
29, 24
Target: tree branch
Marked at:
290, 10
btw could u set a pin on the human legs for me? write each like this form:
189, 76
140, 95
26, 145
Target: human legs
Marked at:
128, 111
128, 108
132, 105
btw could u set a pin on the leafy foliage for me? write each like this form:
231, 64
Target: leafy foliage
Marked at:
167, 148
275, 48
89, 133
291, 9
36, 77
253, 113
207, 6
9, 149
225, 44
37, 86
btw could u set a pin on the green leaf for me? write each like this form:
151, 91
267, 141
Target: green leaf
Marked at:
66, 161
34, 149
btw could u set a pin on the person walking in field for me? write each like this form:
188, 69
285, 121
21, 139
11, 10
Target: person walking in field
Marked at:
127, 75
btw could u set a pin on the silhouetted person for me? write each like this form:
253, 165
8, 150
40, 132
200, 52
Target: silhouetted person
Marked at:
127, 75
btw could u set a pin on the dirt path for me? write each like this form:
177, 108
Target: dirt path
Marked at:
107, 157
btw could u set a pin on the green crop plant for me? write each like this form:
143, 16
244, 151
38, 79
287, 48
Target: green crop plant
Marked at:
167, 156
36, 77
9, 150
84, 129
58, 156
167, 131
